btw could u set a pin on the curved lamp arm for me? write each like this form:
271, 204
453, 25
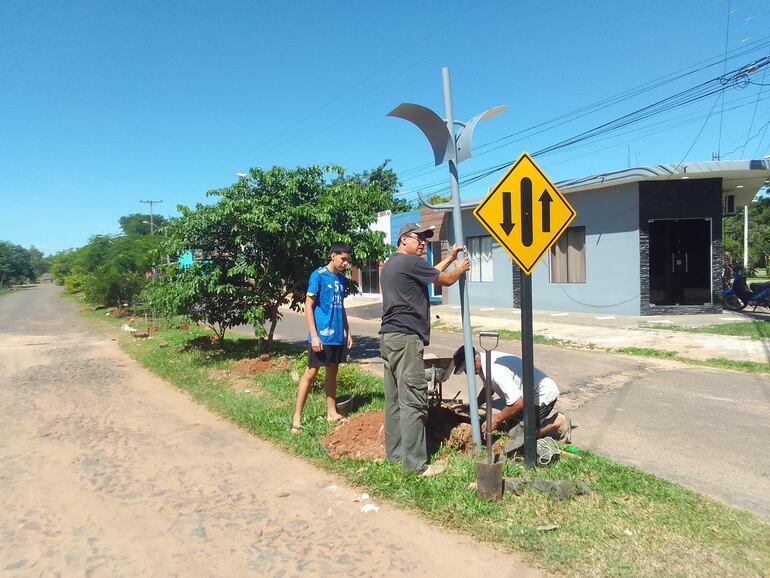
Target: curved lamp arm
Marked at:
466, 134
425, 203
432, 127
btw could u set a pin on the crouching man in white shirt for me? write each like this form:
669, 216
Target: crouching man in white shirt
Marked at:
507, 383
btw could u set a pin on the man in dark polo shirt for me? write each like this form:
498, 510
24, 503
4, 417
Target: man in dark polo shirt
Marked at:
404, 333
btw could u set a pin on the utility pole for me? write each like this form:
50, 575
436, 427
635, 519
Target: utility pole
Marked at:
152, 225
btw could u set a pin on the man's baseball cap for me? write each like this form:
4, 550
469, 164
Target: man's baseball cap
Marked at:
415, 228
459, 359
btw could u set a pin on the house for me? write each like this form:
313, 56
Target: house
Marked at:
645, 241
368, 276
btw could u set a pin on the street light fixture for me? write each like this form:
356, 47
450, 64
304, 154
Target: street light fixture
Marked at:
452, 148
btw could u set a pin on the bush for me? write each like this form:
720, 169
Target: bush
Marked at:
111, 288
74, 282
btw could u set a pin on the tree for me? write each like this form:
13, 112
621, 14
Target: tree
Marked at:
15, 264
109, 270
39, 263
139, 224
759, 234
119, 276
386, 180
62, 265
264, 236
436, 199
402, 206
212, 291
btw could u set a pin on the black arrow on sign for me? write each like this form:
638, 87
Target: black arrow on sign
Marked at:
507, 223
526, 212
546, 200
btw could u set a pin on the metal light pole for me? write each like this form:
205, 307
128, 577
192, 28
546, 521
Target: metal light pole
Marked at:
452, 149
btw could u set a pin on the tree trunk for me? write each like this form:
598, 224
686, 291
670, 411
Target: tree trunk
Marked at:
273, 315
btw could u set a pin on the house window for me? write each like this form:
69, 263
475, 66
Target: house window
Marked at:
568, 257
480, 253
370, 277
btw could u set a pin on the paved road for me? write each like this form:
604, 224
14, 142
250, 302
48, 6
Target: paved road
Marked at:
106, 470
704, 428
613, 331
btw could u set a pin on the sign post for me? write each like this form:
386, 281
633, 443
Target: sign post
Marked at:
526, 214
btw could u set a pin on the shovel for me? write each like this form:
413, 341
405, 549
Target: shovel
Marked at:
489, 474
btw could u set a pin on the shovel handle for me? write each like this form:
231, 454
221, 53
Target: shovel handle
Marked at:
493, 334
570, 455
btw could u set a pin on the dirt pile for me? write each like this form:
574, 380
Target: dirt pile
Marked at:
252, 366
360, 438
202, 342
448, 427
363, 436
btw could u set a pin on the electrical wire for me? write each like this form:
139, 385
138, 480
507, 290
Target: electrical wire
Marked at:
754, 114
700, 132
735, 78
722, 113
584, 111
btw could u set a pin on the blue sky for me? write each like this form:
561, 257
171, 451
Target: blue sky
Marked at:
104, 104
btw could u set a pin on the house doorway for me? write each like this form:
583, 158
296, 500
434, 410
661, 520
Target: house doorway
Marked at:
680, 262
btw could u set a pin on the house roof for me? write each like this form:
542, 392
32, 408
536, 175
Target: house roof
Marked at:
740, 178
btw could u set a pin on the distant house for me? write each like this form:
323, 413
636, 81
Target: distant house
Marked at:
368, 276
645, 241
186, 259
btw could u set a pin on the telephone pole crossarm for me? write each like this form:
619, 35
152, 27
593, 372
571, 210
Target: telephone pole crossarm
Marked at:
152, 224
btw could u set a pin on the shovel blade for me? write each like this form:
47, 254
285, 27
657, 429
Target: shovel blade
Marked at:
489, 481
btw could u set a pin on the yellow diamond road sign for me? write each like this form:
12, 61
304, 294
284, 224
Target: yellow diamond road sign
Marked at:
525, 213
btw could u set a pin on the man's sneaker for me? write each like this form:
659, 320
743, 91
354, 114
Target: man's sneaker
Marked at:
432, 470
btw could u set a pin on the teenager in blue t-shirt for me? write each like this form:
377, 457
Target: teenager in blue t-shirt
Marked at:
328, 332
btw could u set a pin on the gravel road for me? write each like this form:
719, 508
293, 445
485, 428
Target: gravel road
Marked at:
106, 470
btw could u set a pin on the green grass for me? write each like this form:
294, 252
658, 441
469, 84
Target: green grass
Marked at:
674, 531
509, 334
5, 291
753, 329
440, 325
512, 335
718, 362
761, 276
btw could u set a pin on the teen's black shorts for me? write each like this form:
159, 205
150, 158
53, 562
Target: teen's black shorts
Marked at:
330, 354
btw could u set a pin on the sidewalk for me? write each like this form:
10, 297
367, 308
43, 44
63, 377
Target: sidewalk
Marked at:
607, 331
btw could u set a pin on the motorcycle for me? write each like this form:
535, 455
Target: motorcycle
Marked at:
741, 295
